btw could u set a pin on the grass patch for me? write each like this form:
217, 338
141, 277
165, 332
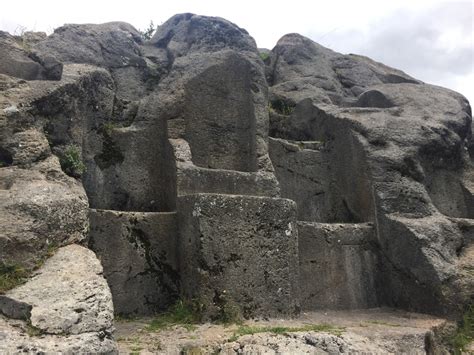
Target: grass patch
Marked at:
250, 330
182, 313
465, 333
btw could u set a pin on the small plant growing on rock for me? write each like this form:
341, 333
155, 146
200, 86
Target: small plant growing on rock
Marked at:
147, 34
71, 161
282, 107
264, 56
465, 332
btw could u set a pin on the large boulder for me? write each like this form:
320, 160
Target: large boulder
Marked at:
43, 208
18, 60
66, 306
215, 94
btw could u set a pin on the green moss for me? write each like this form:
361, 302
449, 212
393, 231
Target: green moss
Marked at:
11, 276
71, 161
183, 313
250, 330
465, 332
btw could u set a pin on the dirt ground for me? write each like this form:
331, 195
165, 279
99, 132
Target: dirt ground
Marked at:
373, 330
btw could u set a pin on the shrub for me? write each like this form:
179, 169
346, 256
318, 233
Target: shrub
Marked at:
148, 33
264, 56
71, 161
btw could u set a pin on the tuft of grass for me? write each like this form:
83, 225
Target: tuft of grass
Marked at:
465, 333
71, 161
250, 330
32, 331
182, 313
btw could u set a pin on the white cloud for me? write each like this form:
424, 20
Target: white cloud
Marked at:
416, 36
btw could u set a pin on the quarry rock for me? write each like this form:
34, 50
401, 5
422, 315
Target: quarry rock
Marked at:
406, 138
345, 258
239, 252
142, 269
72, 281
42, 208
249, 181
70, 307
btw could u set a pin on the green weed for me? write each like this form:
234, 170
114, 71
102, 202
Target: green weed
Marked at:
250, 330
465, 333
71, 161
182, 313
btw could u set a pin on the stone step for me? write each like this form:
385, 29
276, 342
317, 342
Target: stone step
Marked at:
138, 253
337, 265
192, 179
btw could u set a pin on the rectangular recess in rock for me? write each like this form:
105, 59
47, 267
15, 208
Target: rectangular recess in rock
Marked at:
306, 175
138, 253
239, 251
337, 266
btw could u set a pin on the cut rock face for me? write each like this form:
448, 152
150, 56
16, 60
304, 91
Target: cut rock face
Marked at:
239, 253
308, 179
142, 269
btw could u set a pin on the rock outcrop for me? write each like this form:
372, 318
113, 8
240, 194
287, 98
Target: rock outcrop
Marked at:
196, 168
67, 304
399, 158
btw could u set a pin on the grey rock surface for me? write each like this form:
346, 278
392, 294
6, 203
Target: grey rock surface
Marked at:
18, 60
68, 294
70, 307
307, 174
41, 208
187, 115
409, 153
14, 339
138, 253
239, 252
338, 266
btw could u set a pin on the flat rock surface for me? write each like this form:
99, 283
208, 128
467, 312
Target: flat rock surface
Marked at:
14, 339
68, 295
368, 331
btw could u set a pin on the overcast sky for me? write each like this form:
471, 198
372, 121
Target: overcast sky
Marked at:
430, 40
